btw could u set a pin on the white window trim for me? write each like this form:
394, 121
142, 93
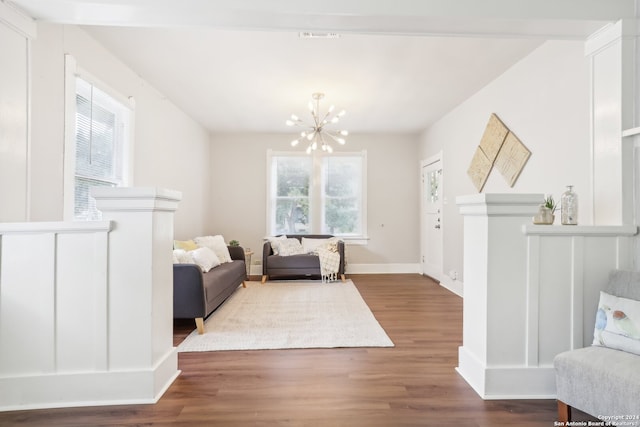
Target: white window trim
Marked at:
315, 189
72, 71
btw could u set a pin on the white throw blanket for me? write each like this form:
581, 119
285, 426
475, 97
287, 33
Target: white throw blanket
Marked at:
329, 260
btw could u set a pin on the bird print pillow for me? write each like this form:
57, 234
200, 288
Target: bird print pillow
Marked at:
618, 323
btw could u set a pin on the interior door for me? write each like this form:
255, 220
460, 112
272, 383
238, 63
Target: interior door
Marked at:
431, 217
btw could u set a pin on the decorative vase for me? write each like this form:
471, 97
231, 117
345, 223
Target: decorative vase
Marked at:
544, 216
569, 207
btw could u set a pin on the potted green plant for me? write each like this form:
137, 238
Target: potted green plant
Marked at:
546, 212
550, 204
234, 243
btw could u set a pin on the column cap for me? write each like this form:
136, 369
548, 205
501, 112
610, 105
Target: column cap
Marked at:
500, 204
142, 199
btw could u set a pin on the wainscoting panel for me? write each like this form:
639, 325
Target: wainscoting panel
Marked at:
531, 292
86, 307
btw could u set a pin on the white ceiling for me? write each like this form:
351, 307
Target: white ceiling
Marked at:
397, 67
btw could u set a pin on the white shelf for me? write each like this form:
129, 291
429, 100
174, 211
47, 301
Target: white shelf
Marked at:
631, 132
580, 230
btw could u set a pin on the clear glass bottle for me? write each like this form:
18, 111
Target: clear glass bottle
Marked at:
569, 207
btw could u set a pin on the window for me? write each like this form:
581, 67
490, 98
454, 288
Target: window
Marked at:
98, 143
321, 194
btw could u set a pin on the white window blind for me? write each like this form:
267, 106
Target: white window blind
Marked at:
101, 131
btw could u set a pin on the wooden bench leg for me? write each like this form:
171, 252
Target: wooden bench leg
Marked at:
564, 412
244, 285
342, 276
200, 325
264, 278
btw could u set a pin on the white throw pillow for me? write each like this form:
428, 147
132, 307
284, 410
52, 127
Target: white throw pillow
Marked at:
217, 245
205, 258
309, 245
290, 246
617, 323
180, 256
275, 243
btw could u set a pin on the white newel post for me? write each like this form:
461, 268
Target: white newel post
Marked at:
493, 351
140, 301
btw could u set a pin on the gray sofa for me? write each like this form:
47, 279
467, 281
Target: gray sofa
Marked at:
197, 294
306, 266
601, 381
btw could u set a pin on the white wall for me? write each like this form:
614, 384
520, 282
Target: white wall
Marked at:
14, 113
171, 149
238, 168
544, 100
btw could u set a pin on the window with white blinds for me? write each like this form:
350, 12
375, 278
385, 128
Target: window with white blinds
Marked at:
102, 129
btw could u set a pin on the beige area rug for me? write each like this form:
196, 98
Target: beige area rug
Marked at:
290, 314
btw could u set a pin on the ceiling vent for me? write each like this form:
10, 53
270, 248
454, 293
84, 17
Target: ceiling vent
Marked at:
318, 35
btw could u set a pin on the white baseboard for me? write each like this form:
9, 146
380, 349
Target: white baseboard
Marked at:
65, 390
383, 268
509, 382
455, 286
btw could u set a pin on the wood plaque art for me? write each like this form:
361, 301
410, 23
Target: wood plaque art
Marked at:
498, 147
479, 169
511, 159
494, 135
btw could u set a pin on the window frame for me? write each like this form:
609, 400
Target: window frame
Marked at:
72, 71
316, 196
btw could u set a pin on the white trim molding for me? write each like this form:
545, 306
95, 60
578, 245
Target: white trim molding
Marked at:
17, 20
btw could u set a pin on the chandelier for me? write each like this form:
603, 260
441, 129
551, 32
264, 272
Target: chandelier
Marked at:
316, 134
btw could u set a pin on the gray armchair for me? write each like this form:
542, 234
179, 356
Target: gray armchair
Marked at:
601, 381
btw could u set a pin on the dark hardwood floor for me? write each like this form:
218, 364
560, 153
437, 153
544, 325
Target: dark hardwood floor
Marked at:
412, 384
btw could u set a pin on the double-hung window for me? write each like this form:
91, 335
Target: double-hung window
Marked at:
320, 194
100, 145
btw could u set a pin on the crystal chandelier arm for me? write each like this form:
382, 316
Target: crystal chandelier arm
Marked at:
296, 121
328, 114
336, 138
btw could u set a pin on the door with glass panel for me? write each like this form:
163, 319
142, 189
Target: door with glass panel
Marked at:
432, 217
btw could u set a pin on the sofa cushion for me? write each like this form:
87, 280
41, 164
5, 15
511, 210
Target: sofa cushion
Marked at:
275, 243
278, 262
290, 247
217, 280
216, 244
617, 323
599, 380
624, 284
309, 245
205, 258
180, 256
187, 245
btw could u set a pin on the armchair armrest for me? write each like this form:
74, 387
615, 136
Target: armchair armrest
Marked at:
188, 292
343, 260
237, 253
266, 251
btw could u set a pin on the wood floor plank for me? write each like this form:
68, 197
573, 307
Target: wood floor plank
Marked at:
412, 384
